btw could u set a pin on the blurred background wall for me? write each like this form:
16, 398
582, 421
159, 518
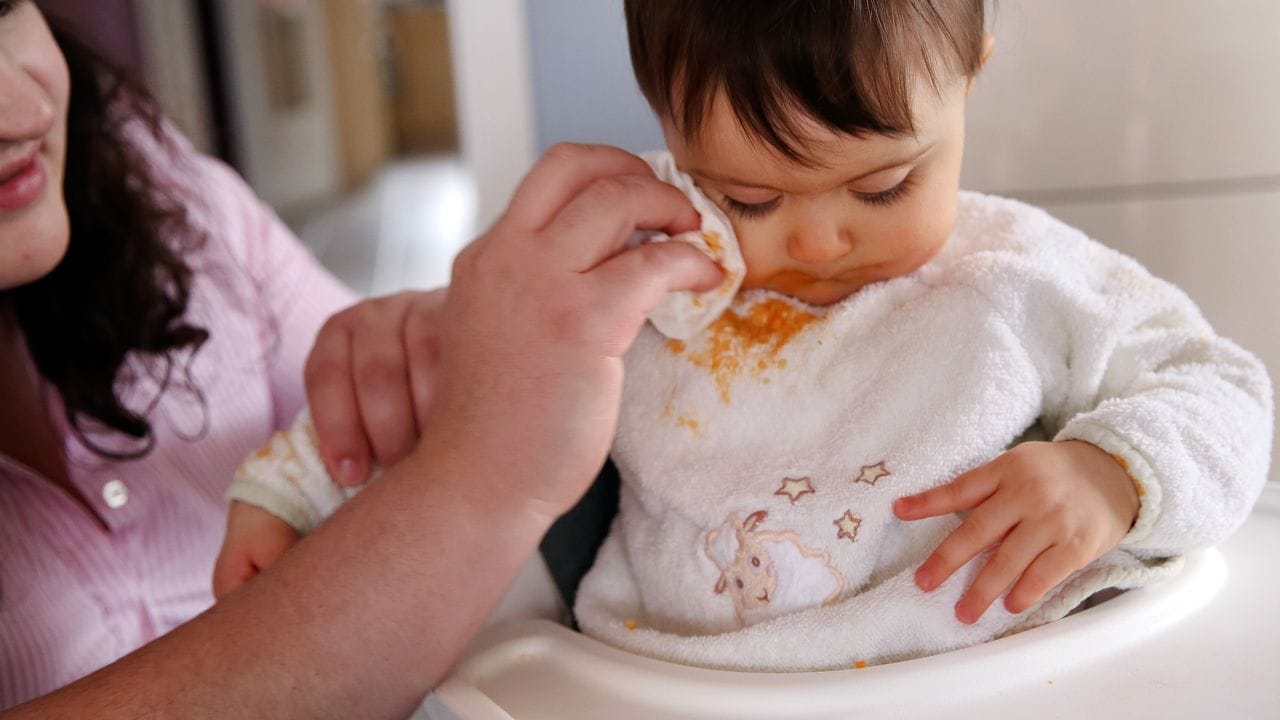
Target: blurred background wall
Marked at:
583, 86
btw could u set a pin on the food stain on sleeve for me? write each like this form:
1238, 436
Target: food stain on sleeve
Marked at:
692, 424
1137, 486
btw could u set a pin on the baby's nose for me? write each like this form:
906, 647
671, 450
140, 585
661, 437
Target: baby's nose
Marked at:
819, 245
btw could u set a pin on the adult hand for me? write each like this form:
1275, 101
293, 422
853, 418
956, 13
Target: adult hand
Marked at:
369, 381
539, 314
1051, 507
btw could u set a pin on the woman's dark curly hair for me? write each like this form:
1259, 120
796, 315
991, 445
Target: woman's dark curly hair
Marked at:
123, 287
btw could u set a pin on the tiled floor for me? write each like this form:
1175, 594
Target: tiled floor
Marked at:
401, 231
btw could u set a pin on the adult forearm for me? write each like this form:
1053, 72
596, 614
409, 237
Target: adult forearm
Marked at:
359, 620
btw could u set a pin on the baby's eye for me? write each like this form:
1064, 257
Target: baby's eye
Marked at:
751, 211
885, 197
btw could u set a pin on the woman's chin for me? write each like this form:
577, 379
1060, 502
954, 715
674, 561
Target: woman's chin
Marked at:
32, 244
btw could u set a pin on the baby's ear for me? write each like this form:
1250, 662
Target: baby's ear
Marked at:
988, 48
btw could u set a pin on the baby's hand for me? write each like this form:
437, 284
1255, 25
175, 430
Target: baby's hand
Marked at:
255, 538
1053, 507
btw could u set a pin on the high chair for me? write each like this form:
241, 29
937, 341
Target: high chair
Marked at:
1204, 643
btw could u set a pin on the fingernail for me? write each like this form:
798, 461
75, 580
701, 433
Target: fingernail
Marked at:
348, 472
964, 616
924, 581
901, 506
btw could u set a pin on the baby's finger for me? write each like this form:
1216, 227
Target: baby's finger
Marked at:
963, 493
983, 528
1006, 564
1052, 567
335, 412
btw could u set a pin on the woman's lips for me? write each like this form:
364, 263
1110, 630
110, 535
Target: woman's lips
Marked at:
16, 158
22, 181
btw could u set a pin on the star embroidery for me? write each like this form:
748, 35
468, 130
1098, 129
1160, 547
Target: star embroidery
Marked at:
848, 524
871, 473
793, 488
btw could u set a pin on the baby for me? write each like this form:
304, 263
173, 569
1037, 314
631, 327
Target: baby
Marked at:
907, 401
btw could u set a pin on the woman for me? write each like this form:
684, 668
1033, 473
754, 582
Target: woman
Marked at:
167, 314
153, 324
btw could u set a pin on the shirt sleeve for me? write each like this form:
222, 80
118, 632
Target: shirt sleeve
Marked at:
293, 294
288, 479
1129, 364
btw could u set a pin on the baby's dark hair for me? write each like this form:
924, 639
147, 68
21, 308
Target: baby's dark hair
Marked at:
848, 64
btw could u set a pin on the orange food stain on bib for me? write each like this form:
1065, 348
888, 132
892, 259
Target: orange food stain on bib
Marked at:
746, 343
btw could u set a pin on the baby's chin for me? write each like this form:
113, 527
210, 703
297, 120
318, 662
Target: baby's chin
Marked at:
810, 290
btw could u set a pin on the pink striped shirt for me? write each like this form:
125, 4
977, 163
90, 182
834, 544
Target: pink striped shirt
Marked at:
78, 589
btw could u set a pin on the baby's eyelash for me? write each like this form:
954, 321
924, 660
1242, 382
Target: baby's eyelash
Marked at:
885, 197
753, 211
750, 211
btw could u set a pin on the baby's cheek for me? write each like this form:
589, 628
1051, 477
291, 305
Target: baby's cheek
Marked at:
919, 242
758, 253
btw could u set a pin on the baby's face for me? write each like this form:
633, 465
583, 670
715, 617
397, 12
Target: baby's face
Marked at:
879, 207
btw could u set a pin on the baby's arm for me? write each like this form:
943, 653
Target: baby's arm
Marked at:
1162, 429
255, 539
1186, 413
280, 492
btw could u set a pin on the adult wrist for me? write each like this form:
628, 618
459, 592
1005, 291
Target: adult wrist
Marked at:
478, 484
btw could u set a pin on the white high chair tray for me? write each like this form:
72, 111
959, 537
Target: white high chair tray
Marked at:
1205, 643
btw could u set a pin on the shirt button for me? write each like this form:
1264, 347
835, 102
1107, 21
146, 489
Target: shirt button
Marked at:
115, 494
